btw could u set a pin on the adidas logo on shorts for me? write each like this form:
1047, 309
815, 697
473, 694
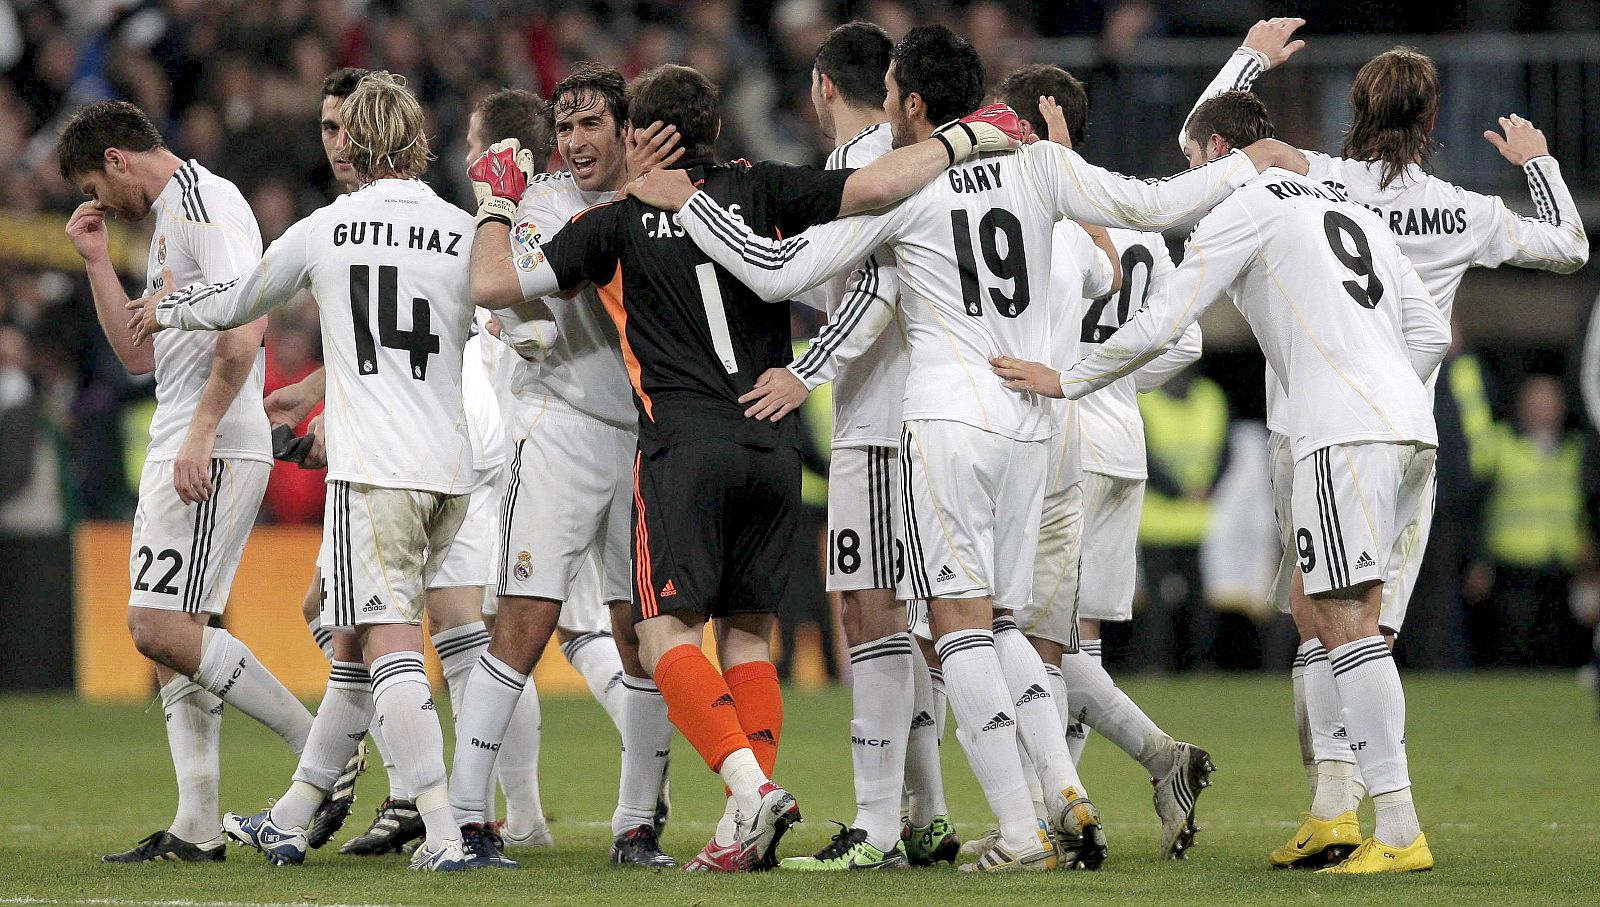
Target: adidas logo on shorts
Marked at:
1000, 720
945, 574
1032, 693
1364, 561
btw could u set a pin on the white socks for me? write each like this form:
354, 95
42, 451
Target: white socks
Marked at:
1397, 818
491, 696
882, 695
404, 705
458, 649
230, 670
194, 732
1038, 721
594, 655
1338, 787
924, 774
1100, 704
342, 718
1375, 713
987, 730
744, 778
1302, 721
322, 635
646, 743
517, 765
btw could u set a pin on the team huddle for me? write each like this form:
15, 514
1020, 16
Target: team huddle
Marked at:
573, 415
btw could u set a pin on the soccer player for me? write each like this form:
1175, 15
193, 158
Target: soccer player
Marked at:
567, 500
1444, 230
893, 737
1099, 569
1352, 334
715, 493
973, 457
456, 593
209, 456
390, 264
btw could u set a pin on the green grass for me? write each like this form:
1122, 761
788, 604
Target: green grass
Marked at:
1503, 766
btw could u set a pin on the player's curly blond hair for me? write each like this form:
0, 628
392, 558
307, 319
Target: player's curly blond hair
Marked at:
385, 124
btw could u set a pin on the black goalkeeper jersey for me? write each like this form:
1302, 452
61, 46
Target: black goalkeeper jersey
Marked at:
694, 339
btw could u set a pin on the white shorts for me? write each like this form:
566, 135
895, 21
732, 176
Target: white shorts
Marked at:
1401, 578
972, 503
1109, 569
184, 556
1052, 612
865, 547
1351, 504
381, 548
583, 611
568, 495
471, 559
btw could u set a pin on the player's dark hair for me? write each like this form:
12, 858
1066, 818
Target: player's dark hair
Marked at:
943, 68
101, 126
586, 86
1395, 98
1238, 116
855, 56
340, 82
681, 97
1022, 88
512, 113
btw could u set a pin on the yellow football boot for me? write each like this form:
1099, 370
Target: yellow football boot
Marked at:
1375, 856
1319, 842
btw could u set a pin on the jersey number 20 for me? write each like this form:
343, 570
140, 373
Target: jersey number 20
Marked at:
420, 341
1012, 265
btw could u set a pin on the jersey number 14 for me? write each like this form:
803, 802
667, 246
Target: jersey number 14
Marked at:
420, 341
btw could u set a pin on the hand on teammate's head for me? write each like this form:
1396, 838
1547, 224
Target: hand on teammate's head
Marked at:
653, 147
1055, 122
1522, 141
1270, 37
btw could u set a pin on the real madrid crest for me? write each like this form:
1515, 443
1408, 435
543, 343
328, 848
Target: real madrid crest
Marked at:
524, 567
161, 249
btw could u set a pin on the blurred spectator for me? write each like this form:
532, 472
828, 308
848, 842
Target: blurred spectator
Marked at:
36, 387
1535, 536
1186, 434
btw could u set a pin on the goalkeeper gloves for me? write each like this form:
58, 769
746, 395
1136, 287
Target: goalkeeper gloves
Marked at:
499, 177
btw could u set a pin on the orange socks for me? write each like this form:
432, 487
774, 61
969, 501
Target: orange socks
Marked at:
759, 701
700, 705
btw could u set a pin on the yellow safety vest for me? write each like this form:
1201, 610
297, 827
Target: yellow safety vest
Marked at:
1465, 378
1536, 505
817, 416
1185, 436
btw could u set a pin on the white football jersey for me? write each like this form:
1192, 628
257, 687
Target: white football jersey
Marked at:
1342, 316
205, 233
482, 408
862, 351
582, 367
388, 265
1078, 269
1443, 228
974, 249
1113, 430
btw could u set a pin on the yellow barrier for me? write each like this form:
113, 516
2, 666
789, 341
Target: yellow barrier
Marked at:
263, 611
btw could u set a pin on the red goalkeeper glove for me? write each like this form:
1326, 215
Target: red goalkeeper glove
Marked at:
993, 128
499, 177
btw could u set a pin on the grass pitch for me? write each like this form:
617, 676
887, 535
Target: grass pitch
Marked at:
1503, 765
